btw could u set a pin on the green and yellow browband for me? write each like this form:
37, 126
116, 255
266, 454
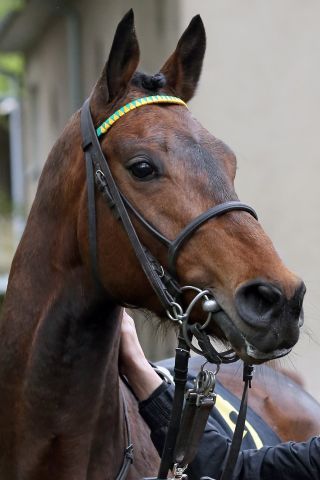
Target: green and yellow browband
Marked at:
139, 102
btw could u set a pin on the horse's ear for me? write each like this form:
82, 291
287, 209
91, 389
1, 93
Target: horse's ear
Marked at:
123, 59
182, 69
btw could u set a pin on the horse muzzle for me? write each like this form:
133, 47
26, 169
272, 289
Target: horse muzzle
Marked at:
269, 322
250, 353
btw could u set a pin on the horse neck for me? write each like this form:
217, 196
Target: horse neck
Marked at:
59, 385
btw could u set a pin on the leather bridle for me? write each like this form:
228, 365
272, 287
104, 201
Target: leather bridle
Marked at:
164, 281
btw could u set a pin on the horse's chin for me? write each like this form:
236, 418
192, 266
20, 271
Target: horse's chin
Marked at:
258, 356
249, 353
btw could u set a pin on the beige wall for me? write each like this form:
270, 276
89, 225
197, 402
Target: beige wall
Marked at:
260, 92
45, 101
156, 24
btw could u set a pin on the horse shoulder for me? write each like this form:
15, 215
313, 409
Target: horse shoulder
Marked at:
146, 459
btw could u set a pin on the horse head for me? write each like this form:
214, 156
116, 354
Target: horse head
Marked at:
171, 170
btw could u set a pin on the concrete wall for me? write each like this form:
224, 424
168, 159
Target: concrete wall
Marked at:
45, 101
259, 92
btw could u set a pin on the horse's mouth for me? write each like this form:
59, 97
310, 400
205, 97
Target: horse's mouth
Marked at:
254, 353
245, 350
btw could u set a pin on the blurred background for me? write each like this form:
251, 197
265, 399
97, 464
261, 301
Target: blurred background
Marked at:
259, 92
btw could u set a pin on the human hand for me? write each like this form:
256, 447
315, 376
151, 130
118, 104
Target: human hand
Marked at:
131, 352
133, 363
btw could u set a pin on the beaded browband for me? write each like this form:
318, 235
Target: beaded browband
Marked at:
139, 102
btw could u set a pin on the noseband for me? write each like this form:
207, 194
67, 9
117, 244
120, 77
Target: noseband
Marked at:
163, 281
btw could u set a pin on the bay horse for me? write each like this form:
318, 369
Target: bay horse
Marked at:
61, 399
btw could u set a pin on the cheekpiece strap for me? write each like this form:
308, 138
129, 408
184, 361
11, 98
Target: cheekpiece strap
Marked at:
139, 102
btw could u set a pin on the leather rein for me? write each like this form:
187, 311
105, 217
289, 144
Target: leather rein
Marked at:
163, 280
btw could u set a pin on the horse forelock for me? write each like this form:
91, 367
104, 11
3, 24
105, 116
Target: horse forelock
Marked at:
149, 83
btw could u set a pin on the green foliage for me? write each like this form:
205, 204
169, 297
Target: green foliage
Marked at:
9, 5
5, 204
12, 63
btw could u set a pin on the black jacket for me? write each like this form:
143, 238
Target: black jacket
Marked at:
284, 461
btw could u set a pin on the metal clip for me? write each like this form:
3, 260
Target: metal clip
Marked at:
177, 314
128, 453
248, 371
204, 385
178, 472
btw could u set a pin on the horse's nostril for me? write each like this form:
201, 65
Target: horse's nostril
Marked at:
269, 293
258, 301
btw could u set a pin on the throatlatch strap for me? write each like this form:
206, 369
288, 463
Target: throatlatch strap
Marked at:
92, 227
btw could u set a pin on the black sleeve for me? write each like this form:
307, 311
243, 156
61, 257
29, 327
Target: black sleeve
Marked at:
286, 461
156, 413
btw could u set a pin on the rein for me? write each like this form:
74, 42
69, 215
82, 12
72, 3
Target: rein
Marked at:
163, 280
128, 452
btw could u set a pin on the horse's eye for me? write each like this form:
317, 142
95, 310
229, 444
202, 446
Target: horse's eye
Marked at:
142, 170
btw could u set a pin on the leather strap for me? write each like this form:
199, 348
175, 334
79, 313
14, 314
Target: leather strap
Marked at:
92, 229
180, 380
213, 212
193, 422
234, 449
